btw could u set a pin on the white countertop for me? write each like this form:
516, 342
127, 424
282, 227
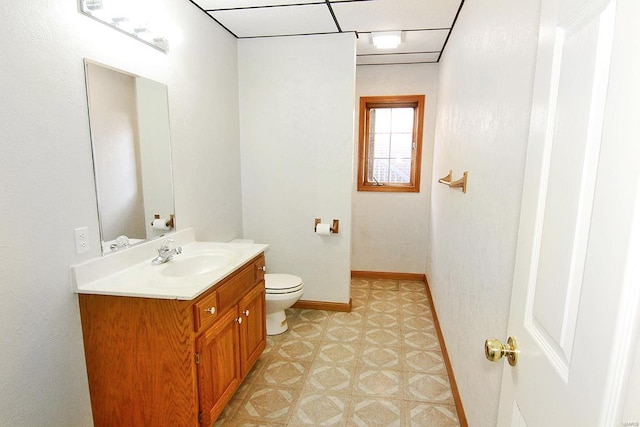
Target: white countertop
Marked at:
129, 276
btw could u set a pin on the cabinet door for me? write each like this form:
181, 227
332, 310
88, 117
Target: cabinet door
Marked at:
219, 372
253, 330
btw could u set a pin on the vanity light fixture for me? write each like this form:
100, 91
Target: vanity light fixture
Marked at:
386, 39
127, 16
93, 4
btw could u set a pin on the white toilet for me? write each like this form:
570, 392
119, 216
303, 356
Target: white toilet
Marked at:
282, 291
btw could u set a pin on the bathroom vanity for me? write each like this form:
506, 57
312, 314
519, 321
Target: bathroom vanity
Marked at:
172, 361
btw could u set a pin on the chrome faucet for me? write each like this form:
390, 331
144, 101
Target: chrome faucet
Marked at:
164, 253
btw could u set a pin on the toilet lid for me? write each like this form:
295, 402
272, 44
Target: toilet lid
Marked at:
282, 283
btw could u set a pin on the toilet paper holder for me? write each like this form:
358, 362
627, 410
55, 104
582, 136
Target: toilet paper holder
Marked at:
334, 225
170, 221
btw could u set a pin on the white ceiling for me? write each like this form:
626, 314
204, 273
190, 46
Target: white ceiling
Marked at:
425, 24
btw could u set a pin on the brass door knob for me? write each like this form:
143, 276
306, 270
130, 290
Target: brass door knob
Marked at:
494, 350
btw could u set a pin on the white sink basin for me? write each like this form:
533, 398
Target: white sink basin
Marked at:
130, 273
197, 264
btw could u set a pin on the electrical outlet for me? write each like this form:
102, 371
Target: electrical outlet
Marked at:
82, 239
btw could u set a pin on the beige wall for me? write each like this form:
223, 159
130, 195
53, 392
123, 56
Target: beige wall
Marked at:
390, 229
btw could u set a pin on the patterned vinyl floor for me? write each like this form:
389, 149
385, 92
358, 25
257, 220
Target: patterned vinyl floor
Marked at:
380, 365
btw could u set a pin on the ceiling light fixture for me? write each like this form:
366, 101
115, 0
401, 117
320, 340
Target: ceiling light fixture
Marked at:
386, 39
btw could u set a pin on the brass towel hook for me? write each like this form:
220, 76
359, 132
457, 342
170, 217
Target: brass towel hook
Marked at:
460, 183
447, 179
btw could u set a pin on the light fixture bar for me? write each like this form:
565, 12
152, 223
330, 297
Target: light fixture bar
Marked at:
125, 16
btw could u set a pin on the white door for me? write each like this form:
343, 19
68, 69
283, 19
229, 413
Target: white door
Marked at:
574, 297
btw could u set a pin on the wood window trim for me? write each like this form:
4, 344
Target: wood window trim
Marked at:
368, 102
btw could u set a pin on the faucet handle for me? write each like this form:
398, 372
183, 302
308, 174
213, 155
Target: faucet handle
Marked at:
165, 244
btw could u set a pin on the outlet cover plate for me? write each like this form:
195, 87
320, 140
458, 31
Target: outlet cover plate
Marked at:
82, 239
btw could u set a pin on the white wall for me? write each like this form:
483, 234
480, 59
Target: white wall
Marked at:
631, 411
47, 189
296, 117
390, 229
154, 133
484, 101
115, 137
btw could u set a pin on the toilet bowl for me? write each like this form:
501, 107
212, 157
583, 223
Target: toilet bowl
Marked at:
282, 291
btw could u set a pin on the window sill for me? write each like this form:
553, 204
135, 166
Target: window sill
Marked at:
389, 188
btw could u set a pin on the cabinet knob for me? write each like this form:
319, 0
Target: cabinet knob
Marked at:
246, 313
210, 310
239, 320
262, 268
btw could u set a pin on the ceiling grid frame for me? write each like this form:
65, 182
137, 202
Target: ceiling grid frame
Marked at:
426, 25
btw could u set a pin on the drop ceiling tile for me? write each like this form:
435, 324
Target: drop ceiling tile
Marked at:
277, 21
425, 24
237, 4
412, 41
409, 58
381, 15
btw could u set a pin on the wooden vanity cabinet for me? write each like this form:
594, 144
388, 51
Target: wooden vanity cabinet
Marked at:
159, 362
227, 351
253, 330
219, 367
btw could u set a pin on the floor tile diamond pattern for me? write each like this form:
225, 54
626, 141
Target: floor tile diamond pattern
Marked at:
321, 409
330, 377
379, 365
381, 357
377, 412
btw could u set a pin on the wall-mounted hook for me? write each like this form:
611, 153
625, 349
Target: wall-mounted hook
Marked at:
460, 183
446, 180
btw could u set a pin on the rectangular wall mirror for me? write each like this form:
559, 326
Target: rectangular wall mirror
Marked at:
130, 139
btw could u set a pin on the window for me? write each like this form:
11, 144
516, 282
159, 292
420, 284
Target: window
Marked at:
390, 143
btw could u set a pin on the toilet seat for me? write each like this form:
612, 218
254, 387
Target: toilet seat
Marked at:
276, 284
